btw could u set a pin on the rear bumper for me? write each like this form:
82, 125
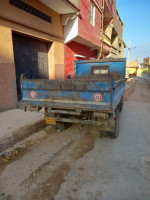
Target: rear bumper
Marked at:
67, 104
105, 125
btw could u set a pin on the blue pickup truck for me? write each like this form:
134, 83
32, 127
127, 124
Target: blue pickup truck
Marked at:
94, 96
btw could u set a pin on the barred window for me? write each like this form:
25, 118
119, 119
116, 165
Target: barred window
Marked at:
29, 9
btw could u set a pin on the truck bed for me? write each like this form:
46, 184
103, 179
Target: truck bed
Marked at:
70, 94
97, 85
94, 96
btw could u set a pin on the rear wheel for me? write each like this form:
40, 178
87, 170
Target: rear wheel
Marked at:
120, 105
103, 133
116, 132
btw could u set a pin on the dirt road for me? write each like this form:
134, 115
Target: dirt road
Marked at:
79, 165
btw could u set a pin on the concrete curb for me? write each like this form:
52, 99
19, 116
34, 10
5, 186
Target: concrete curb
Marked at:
21, 134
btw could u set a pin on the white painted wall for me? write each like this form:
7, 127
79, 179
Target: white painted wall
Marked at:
71, 30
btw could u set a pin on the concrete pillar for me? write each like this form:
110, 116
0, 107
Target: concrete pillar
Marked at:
8, 94
56, 61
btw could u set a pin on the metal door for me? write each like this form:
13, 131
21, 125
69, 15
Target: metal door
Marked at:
31, 59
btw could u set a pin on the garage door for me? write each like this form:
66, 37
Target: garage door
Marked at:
31, 59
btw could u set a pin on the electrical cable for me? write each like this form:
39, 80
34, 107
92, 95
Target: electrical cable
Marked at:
143, 52
127, 2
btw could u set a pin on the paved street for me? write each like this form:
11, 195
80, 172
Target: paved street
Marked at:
79, 165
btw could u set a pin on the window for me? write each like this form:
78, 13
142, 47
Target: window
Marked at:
100, 70
92, 13
29, 9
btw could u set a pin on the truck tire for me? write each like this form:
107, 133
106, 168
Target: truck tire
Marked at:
120, 105
103, 133
61, 126
116, 133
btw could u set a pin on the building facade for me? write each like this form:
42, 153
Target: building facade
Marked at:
93, 34
31, 42
82, 34
117, 43
133, 68
146, 63
43, 38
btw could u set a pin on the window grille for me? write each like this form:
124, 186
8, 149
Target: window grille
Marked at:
29, 9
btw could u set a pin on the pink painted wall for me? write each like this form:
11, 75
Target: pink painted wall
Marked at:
87, 30
71, 49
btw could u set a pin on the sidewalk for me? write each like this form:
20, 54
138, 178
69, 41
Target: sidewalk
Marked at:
16, 124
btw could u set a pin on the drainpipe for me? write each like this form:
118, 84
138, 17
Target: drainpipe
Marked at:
101, 51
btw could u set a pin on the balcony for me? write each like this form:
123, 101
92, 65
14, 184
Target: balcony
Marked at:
108, 9
65, 6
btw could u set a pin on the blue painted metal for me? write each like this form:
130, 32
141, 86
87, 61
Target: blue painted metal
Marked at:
80, 92
115, 65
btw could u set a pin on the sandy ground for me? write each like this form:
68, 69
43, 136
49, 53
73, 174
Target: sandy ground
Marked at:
77, 164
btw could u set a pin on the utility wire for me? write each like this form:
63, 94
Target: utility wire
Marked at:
120, 2
124, 3
142, 53
126, 53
